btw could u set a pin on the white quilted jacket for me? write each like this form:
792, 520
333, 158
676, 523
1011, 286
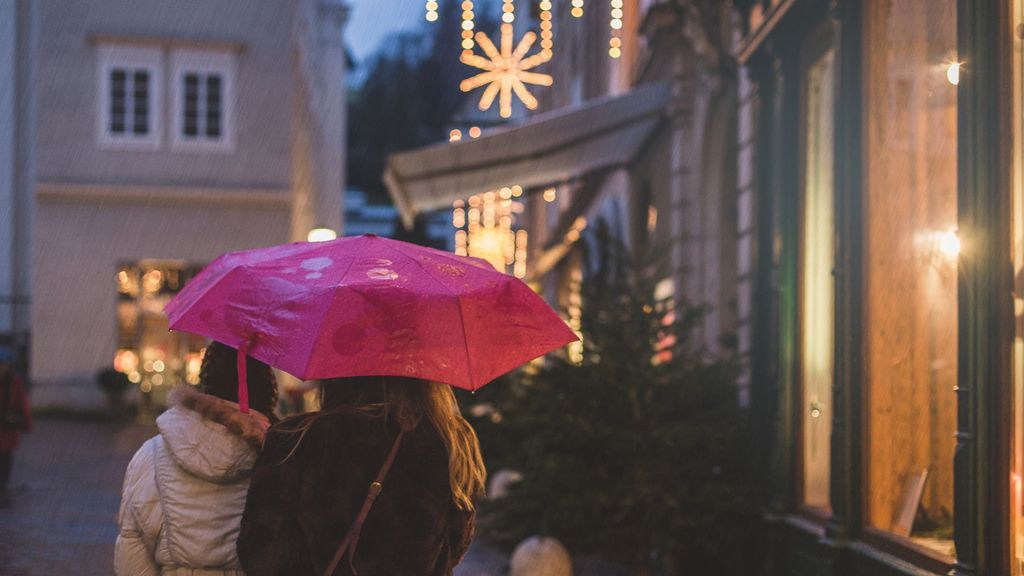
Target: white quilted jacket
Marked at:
185, 489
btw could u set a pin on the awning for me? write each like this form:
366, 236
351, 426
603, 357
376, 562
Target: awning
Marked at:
548, 149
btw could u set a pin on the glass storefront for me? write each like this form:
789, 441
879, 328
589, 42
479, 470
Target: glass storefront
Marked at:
817, 260
910, 284
154, 358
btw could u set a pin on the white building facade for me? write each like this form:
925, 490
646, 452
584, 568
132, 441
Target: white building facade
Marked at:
167, 134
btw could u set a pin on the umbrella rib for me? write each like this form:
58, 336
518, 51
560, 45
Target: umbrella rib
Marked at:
462, 318
323, 320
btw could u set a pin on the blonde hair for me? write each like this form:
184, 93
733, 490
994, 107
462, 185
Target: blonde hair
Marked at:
409, 401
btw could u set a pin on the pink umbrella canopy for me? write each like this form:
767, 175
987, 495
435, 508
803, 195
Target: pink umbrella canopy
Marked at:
366, 306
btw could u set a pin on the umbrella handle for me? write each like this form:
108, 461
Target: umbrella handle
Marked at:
243, 377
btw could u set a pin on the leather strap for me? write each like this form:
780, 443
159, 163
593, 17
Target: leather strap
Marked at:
351, 540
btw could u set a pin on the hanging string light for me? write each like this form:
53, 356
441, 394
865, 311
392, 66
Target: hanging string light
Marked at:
615, 23
508, 11
432, 10
467, 27
486, 229
577, 8
547, 34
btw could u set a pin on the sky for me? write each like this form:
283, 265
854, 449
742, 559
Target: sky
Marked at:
373, 20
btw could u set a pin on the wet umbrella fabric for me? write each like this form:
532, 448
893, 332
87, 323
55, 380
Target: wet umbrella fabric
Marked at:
363, 305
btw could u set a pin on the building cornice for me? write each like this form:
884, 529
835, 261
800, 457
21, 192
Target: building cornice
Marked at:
250, 198
166, 42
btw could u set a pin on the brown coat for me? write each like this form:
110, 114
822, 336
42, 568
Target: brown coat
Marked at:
300, 506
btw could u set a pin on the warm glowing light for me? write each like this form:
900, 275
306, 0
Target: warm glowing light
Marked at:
615, 42
455, 135
467, 26
577, 12
158, 380
949, 244
517, 191
475, 132
614, 52
505, 193
158, 366
953, 73
321, 235
506, 72
549, 195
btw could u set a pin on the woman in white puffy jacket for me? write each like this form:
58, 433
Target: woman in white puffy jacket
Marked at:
184, 491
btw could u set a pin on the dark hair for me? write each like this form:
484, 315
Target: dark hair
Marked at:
218, 376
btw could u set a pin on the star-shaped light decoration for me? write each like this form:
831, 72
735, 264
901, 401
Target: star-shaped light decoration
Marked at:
506, 72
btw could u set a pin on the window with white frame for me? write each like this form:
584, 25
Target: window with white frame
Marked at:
203, 99
129, 99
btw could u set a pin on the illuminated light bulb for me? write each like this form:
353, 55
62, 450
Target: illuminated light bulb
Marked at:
505, 193
949, 244
467, 46
455, 135
549, 195
468, 14
577, 12
616, 24
321, 235
475, 132
431, 16
614, 52
467, 5
517, 191
616, 12
508, 17
467, 24
615, 42
953, 73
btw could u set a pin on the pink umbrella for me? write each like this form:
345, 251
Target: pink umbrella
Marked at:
365, 306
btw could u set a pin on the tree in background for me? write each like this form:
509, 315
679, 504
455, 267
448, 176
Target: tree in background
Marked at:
638, 453
409, 96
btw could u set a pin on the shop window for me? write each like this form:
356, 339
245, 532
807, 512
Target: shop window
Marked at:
817, 286
1016, 483
910, 284
152, 357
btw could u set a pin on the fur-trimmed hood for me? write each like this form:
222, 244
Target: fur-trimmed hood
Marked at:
210, 437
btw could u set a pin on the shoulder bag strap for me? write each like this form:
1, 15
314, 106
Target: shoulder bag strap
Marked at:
351, 540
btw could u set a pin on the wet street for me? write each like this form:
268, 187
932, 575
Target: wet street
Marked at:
67, 482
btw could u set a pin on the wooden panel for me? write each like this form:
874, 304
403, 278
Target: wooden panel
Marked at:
911, 260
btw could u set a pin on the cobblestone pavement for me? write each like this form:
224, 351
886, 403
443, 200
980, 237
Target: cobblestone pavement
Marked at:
62, 518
